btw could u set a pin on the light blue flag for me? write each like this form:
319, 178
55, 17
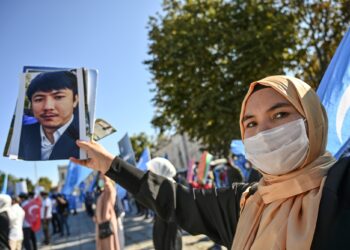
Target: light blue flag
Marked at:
121, 192
92, 184
4, 184
126, 151
334, 93
75, 175
145, 157
237, 147
128, 155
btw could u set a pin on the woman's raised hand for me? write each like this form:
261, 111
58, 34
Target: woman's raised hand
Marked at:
99, 158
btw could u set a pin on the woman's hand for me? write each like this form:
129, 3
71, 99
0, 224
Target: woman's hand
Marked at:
99, 158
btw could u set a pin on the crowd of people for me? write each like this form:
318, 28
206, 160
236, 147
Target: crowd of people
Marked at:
104, 207
23, 215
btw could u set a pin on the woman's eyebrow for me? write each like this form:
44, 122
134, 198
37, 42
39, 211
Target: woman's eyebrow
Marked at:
279, 105
275, 106
246, 117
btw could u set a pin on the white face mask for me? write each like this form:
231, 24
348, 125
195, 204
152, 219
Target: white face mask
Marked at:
279, 150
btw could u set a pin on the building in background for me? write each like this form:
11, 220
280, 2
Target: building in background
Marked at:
179, 150
62, 174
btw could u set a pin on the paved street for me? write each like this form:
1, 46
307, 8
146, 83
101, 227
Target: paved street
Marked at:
138, 235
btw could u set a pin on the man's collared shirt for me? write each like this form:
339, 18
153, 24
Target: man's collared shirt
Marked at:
46, 145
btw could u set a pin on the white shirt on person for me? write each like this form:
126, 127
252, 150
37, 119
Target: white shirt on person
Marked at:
16, 215
26, 224
46, 203
46, 145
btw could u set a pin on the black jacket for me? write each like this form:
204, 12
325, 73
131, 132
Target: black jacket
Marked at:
215, 212
30, 144
4, 231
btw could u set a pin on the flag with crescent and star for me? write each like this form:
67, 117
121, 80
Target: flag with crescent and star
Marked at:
334, 93
32, 213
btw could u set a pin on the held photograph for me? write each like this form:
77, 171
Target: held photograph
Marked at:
50, 116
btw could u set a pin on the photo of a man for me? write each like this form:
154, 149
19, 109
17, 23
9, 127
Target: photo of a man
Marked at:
51, 128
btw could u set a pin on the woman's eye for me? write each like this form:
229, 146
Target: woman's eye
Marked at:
250, 124
280, 115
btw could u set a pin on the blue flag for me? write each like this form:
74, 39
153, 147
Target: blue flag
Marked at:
145, 157
126, 151
93, 183
237, 147
4, 184
75, 175
334, 93
128, 155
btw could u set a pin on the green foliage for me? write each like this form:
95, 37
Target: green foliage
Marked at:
321, 25
139, 142
204, 55
45, 182
12, 180
30, 185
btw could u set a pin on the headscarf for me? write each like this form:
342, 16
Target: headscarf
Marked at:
5, 202
282, 213
162, 167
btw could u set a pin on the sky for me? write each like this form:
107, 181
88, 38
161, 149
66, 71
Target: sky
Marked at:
110, 36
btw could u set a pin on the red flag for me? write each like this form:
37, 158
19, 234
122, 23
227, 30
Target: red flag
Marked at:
32, 213
203, 167
191, 165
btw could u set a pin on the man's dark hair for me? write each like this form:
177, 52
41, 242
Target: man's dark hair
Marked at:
44, 193
49, 81
23, 196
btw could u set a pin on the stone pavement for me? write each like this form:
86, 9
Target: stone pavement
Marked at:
137, 230
82, 235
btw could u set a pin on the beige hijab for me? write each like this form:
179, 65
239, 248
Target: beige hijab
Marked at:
282, 214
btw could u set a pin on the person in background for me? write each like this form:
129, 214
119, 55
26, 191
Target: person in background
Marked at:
165, 234
29, 237
105, 217
56, 224
254, 175
89, 201
5, 206
46, 215
120, 213
16, 223
63, 213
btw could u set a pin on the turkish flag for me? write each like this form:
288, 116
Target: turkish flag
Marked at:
32, 213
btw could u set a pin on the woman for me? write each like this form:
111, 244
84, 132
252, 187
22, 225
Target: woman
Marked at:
165, 234
301, 202
105, 218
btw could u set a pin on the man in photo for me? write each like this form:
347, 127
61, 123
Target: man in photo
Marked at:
53, 97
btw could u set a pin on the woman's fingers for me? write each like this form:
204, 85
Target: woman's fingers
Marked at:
84, 145
80, 162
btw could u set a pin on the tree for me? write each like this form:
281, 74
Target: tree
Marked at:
321, 26
30, 185
46, 183
205, 53
139, 142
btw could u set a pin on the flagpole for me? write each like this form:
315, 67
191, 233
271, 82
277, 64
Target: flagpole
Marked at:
35, 174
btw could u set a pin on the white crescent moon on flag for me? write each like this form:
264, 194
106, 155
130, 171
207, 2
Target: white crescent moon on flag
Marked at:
31, 209
344, 106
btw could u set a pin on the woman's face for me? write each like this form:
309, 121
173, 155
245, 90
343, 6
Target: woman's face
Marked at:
267, 109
